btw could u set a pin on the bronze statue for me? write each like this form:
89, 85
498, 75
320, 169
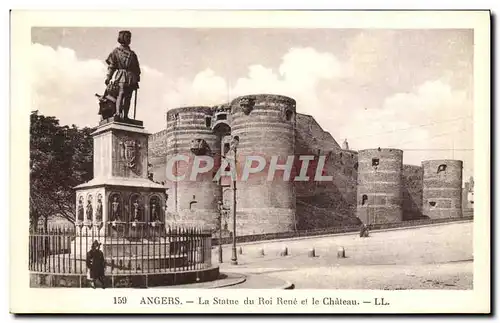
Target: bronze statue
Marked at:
98, 211
80, 209
115, 209
123, 76
345, 145
136, 211
154, 212
89, 210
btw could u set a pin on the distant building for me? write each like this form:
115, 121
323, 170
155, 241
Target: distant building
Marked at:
468, 198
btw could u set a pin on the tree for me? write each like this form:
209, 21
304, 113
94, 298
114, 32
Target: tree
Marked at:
60, 159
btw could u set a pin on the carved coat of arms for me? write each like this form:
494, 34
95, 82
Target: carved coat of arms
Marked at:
130, 154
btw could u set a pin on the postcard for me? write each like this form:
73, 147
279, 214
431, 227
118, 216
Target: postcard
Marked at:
250, 162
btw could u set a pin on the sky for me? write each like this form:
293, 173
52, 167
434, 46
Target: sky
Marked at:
409, 89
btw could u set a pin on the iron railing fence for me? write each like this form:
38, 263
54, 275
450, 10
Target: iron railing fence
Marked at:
127, 248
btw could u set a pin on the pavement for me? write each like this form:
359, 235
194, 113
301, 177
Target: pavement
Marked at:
240, 281
225, 280
430, 257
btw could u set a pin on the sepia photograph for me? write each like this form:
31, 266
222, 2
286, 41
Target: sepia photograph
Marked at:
162, 159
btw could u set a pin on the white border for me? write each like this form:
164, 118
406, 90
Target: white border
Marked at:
24, 299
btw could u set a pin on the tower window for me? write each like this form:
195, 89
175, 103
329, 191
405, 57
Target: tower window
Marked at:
375, 161
208, 121
441, 168
288, 115
193, 202
432, 203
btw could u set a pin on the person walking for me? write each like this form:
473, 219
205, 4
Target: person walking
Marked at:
364, 231
96, 265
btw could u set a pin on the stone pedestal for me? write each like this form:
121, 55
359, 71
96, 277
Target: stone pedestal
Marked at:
120, 191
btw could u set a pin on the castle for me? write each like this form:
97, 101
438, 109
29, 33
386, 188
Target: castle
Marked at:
369, 186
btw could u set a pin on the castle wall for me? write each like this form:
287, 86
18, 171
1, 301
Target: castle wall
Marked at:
345, 174
195, 201
468, 199
327, 203
318, 204
157, 154
268, 125
412, 181
265, 125
379, 185
442, 188
311, 137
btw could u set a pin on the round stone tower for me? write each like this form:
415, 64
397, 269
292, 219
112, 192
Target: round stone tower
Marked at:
442, 191
190, 139
380, 186
265, 127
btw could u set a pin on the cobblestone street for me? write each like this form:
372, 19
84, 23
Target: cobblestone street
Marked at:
432, 257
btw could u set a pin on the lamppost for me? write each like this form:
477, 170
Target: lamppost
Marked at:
234, 145
219, 204
367, 215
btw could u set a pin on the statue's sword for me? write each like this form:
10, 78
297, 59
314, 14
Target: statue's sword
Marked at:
135, 102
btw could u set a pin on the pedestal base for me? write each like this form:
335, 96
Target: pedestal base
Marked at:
121, 120
126, 280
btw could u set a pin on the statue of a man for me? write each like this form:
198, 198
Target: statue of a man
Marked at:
80, 209
154, 212
136, 211
89, 210
98, 211
115, 209
345, 145
124, 69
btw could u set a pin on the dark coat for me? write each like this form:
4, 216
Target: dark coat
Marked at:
95, 263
